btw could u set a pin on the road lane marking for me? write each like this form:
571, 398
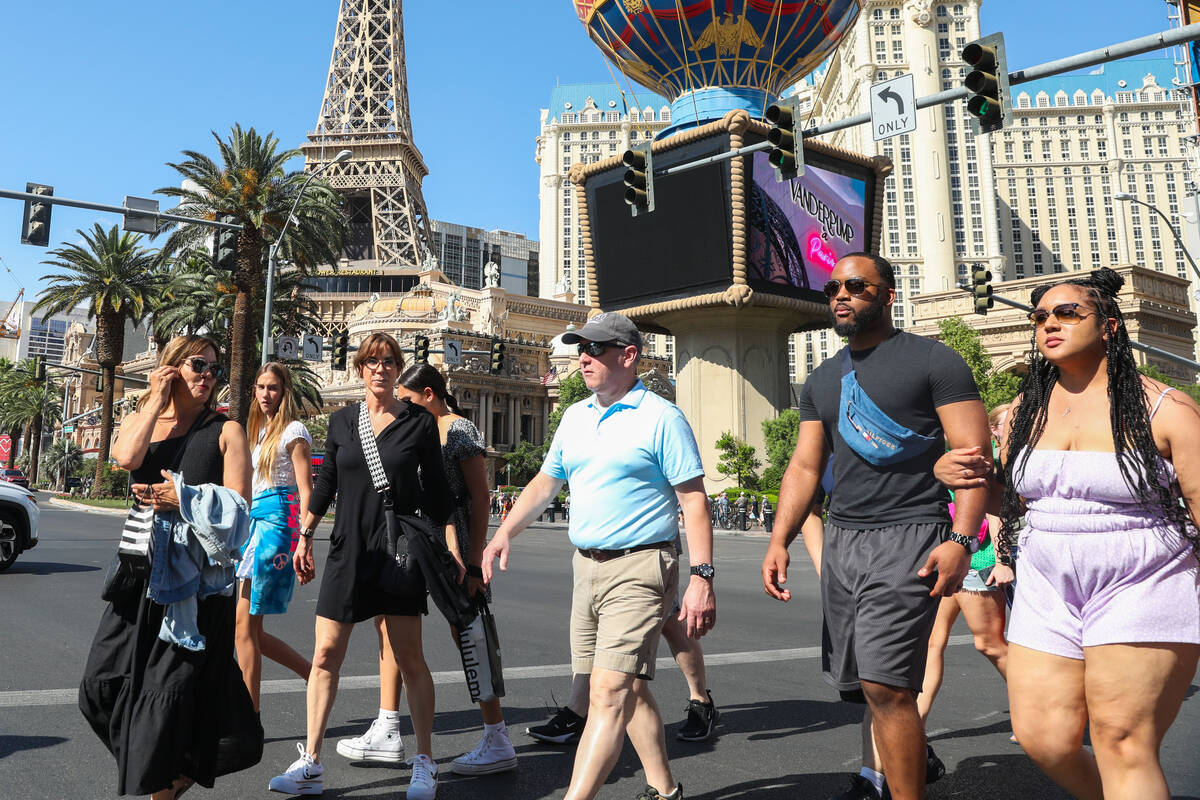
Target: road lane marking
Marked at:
32, 698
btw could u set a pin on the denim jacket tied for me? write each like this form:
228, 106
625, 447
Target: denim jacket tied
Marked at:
195, 553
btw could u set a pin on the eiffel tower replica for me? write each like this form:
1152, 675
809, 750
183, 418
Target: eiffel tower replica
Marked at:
365, 109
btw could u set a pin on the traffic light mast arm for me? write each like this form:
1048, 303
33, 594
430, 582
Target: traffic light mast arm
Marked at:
83, 370
137, 212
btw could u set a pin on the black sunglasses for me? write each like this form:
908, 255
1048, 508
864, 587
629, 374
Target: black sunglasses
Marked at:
854, 286
596, 349
1065, 313
200, 366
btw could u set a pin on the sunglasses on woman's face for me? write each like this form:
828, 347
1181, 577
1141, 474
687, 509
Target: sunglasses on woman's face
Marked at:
1065, 313
373, 362
596, 349
201, 366
854, 286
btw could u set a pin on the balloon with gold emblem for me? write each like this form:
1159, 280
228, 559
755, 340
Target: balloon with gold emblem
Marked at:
710, 56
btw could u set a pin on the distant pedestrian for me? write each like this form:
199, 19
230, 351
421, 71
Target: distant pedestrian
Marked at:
636, 455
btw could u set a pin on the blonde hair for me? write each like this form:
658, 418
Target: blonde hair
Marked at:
285, 415
373, 344
180, 349
996, 417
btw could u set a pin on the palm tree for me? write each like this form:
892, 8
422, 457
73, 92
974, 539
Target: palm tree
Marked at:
251, 184
63, 457
112, 275
31, 404
6, 368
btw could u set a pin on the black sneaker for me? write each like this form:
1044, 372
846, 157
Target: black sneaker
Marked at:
650, 793
701, 720
859, 789
565, 727
935, 770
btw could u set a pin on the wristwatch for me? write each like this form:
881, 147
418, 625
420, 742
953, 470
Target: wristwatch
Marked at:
969, 543
705, 571
307, 533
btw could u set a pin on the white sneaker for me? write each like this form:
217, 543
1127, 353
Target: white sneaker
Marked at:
381, 742
494, 753
423, 784
304, 776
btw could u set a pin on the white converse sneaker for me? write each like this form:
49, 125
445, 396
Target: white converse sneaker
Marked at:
494, 753
381, 742
423, 784
304, 776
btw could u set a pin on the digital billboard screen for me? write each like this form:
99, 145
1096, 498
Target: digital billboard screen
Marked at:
800, 228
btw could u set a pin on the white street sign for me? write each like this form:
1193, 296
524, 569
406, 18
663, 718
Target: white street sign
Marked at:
313, 344
453, 352
893, 107
286, 346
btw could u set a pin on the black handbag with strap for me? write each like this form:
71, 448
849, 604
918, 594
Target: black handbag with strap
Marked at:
414, 559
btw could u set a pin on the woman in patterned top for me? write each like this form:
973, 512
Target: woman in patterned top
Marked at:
466, 535
282, 486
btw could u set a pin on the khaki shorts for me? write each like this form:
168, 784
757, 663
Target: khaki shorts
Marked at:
617, 610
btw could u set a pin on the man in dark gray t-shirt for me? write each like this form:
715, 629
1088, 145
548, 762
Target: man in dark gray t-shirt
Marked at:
889, 552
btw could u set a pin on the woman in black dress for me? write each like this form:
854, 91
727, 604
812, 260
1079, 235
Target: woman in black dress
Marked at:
181, 715
407, 437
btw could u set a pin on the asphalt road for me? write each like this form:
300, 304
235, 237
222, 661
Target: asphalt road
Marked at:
783, 733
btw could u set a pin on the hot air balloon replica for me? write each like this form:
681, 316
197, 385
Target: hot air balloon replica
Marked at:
731, 259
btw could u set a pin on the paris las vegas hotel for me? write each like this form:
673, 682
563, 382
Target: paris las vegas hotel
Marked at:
1031, 200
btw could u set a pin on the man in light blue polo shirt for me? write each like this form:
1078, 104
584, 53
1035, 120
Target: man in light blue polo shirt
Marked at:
630, 459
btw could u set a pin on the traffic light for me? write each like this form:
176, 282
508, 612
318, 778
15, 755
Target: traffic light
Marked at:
421, 349
989, 102
100, 382
497, 362
981, 280
35, 226
639, 179
39, 368
341, 346
787, 151
224, 254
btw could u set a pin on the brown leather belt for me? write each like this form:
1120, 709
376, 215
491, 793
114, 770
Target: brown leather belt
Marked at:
601, 556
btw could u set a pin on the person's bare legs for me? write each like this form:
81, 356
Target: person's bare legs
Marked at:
870, 748
282, 653
935, 658
580, 696
247, 634
329, 652
688, 655
1050, 715
985, 613
618, 705
900, 736
391, 682
404, 636
1129, 717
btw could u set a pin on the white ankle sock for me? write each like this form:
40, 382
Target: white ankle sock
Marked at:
389, 718
499, 727
876, 778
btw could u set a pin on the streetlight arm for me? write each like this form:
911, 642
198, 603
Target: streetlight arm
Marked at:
1170, 226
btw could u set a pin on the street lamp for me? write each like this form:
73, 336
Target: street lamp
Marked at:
1129, 197
270, 301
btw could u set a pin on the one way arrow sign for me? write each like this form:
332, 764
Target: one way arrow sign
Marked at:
893, 107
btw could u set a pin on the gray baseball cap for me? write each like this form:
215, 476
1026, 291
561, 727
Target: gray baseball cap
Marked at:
609, 326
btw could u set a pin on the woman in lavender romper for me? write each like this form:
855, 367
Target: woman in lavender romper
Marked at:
1105, 631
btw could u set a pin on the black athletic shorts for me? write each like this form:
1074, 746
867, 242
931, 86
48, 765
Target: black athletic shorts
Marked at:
877, 613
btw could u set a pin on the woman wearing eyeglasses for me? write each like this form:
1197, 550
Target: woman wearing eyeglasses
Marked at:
407, 439
1105, 629
161, 687
282, 460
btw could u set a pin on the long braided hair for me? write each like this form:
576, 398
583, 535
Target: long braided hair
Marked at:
1142, 468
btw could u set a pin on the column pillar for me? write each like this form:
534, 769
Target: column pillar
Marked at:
930, 172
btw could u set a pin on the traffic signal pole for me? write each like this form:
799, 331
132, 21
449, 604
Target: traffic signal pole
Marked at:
1133, 47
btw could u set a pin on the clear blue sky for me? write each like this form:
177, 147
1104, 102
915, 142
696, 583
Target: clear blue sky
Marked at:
98, 96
